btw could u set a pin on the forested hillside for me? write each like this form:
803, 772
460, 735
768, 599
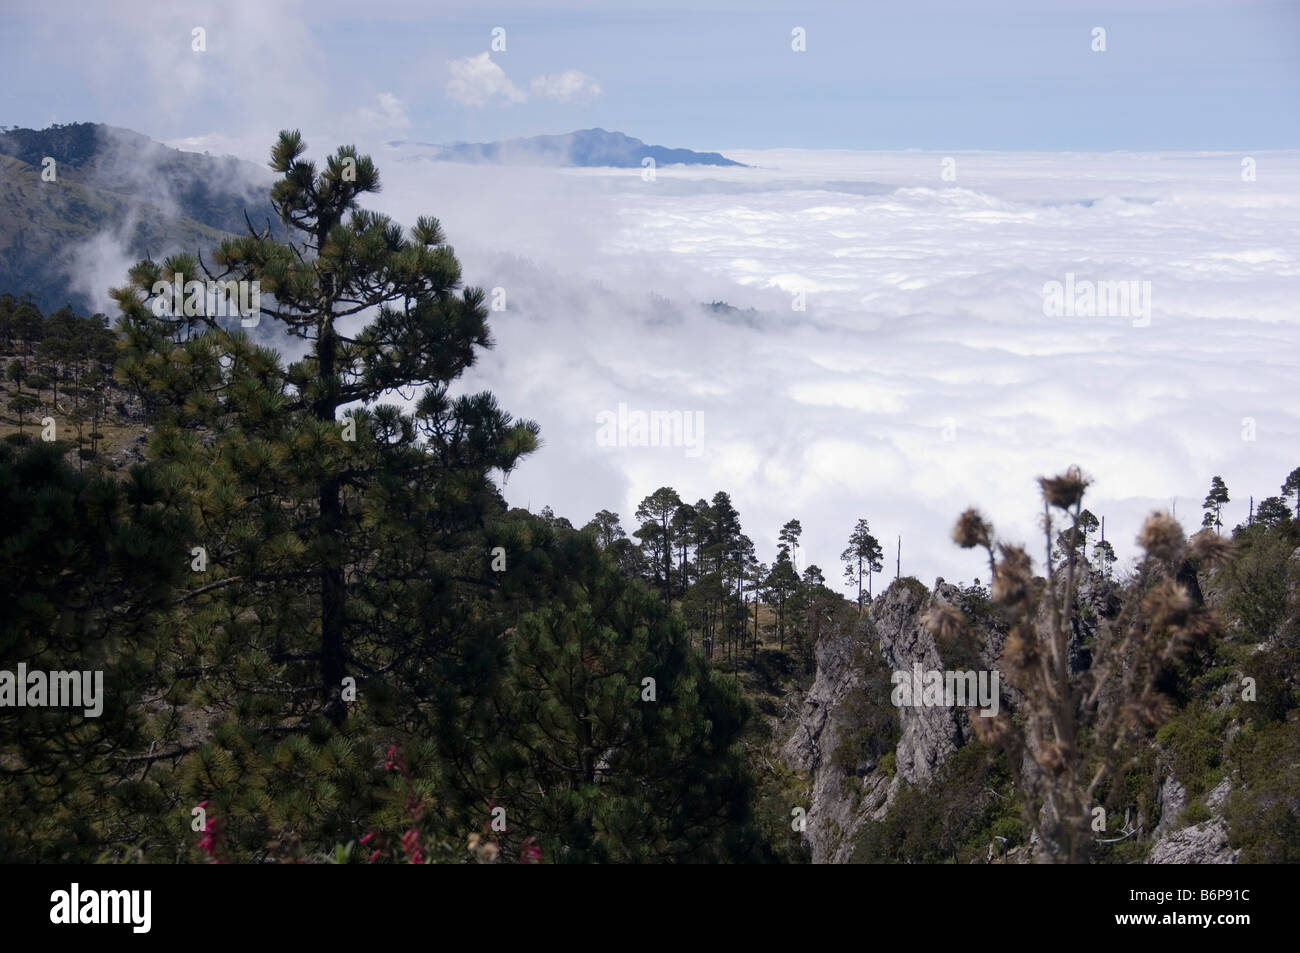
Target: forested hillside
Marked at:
68, 187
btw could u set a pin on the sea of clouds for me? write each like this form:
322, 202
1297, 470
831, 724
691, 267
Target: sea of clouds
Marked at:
922, 375
885, 351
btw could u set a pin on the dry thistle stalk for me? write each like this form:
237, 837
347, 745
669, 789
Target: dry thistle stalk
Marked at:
972, 530
1077, 727
1162, 537
1066, 490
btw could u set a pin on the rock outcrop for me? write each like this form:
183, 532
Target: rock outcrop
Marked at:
929, 735
1204, 843
832, 817
841, 801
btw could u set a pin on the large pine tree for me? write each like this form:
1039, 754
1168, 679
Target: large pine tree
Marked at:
329, 521
304, 484
338, 539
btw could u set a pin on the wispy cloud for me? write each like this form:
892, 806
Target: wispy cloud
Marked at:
477, 81
571, 86
388, 116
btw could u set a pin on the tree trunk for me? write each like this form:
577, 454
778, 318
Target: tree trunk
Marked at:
332, 588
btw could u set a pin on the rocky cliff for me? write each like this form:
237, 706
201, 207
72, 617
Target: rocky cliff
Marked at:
891, 631
847, 790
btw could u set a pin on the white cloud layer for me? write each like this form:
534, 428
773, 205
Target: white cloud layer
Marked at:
923, 375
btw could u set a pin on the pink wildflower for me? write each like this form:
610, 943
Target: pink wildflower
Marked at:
531, 853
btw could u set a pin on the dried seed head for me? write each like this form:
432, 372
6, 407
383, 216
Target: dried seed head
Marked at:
990, 731
1051, 757
1170, 608
1204, 623
1168, 605
1147, 713
945, 622
1066, 490
1162, 537
972, 530
1020, 651
1210, 549
1012, 576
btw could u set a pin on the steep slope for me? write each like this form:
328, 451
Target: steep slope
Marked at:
111, 188
901, 784
851, 696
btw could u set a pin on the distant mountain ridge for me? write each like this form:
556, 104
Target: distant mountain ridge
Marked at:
585, 148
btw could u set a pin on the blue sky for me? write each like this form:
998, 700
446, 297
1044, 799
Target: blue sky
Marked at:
930, 75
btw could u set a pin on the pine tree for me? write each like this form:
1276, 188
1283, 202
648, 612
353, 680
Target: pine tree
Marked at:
683, 521
603, 736
1072, 540
89, 568
1272, 511
817, 605
1104, 555
20, 404
7, 305
58, 348
789, 535
862, 557
607, 528
656, 514
727, 554
374, 546
757, 574
1292, 485
342, 538
1213, 504
745, 554
315, 487
29, 327
782, 583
